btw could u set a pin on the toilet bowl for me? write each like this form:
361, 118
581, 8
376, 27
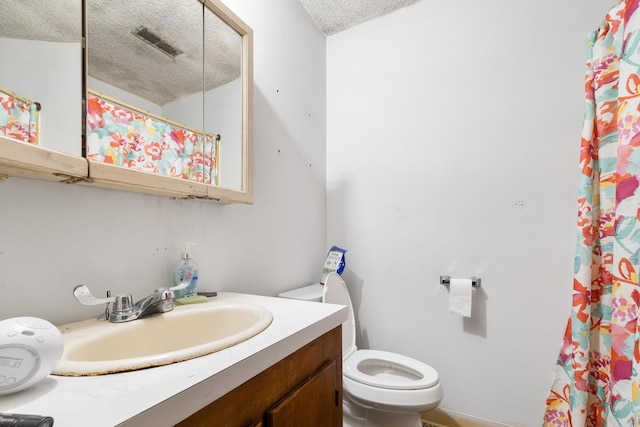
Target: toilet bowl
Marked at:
389, 381
380, 388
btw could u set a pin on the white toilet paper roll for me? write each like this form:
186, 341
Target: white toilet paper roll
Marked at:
460, 292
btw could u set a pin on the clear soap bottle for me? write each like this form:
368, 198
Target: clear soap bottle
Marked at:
186, 264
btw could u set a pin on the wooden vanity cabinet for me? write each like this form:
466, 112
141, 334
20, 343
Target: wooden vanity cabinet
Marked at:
303, 389
312, 403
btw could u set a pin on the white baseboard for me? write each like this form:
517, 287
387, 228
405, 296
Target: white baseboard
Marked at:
448, 418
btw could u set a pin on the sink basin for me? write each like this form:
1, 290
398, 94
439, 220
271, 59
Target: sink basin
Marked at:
100, 347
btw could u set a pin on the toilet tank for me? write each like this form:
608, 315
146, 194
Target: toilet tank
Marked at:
307, 293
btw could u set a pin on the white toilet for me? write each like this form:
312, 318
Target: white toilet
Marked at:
381, 389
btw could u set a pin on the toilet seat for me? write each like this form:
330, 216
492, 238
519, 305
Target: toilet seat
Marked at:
374, 368
417, 401
389, 370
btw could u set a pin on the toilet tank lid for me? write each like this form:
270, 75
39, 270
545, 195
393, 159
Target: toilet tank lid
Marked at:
307, 293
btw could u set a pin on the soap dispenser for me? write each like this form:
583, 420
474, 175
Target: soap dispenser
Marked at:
186, 264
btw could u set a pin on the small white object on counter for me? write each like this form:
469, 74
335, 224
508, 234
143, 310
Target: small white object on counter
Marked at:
30, 347
165, 395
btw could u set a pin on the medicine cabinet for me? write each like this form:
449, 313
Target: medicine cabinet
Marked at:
147, 96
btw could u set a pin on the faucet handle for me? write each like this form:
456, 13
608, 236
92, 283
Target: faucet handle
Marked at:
83, 296
186, 281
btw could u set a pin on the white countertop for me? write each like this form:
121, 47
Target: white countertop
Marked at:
165, 395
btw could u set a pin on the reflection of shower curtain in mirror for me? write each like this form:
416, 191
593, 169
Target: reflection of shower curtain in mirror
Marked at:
126, 137
597, 373
18, 117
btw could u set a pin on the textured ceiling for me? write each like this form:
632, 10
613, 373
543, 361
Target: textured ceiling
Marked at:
120, 59
333, 16
41, 20
117, 57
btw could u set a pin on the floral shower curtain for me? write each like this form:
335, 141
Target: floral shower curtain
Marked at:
19, 117
597, 378
124, 136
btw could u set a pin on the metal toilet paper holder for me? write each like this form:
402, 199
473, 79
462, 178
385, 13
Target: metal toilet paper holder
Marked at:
446, 281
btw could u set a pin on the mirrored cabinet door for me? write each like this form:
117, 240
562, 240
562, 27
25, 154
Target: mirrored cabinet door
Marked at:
167, 95
223, 95
145, 88
228, 108
41, 89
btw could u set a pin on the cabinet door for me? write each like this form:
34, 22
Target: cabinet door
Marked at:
314, 403
260, 397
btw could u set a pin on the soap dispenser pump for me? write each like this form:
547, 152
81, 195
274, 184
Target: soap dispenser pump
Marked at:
186, 264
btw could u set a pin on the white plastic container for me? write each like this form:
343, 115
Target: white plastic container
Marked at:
29, 350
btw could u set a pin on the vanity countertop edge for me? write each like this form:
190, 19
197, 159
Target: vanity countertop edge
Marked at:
165, 395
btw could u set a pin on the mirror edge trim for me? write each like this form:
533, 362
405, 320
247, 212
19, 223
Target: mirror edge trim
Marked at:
245, 194
34, 161
114, 177
228, 195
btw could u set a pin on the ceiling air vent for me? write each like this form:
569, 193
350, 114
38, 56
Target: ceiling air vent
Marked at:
156, 41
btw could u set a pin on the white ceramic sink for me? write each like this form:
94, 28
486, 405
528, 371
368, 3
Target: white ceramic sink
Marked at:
99, 347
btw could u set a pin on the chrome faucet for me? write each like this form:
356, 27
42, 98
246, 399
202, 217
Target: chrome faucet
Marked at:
124, 310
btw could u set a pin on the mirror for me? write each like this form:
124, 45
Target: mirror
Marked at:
223, 94
184, 69
166, 90
42, 42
